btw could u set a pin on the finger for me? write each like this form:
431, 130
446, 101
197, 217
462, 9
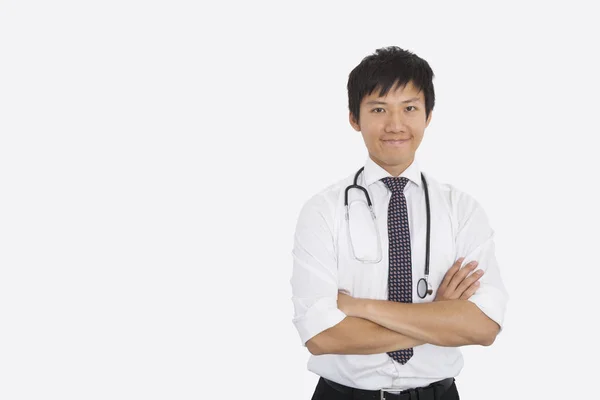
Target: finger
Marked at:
450, 273
465, 271
452, 281
449, 289
468, 281
461, 274
470, 291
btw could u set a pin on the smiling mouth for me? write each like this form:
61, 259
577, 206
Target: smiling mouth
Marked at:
394, 142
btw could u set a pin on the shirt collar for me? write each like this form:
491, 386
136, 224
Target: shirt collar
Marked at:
374, 172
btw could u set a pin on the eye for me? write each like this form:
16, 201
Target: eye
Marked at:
377, 110
413, 108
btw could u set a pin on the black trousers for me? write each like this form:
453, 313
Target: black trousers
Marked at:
324, 391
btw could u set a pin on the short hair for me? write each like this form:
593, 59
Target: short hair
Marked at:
387, 67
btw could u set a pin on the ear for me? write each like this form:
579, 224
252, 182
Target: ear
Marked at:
429, 119
353, 122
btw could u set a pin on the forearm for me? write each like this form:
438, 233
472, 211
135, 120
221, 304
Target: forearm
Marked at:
359, 336
443, 323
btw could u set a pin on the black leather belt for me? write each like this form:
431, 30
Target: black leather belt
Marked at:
432, 392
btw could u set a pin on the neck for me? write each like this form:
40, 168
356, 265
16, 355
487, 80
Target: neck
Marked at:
394, 170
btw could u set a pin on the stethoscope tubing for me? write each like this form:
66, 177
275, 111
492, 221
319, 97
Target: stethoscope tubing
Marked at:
428, 237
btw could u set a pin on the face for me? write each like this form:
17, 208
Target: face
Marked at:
392, 126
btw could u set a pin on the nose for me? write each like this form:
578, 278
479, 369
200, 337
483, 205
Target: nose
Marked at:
395, 123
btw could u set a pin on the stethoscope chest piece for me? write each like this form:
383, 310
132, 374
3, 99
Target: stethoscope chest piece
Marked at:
423, 287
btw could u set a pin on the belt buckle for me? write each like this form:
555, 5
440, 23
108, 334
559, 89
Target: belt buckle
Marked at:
383, 391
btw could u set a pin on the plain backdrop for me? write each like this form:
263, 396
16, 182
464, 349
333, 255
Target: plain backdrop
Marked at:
154, 157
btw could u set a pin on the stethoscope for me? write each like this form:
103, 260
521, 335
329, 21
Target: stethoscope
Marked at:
423, 288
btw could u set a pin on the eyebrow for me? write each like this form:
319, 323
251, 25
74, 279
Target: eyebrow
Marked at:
376, 102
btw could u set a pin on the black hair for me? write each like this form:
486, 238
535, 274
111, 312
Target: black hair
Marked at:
387, 67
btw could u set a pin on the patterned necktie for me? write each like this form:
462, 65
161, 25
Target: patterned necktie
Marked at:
400, 270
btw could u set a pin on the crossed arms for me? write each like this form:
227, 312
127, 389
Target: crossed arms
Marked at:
463, 312
379, 326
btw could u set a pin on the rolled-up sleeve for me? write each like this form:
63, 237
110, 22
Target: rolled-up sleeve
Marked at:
314, 277
475, 242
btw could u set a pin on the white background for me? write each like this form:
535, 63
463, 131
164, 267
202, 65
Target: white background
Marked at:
154, 157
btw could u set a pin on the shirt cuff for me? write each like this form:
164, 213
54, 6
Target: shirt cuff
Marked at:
492, 304
320, 316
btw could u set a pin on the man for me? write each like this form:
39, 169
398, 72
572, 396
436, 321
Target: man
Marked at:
360, 308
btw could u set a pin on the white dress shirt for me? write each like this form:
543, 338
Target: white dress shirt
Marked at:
323, 264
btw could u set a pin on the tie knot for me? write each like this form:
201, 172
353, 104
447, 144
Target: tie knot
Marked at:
395, 184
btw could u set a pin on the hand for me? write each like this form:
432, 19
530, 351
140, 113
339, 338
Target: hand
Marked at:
456, 283
347, 304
